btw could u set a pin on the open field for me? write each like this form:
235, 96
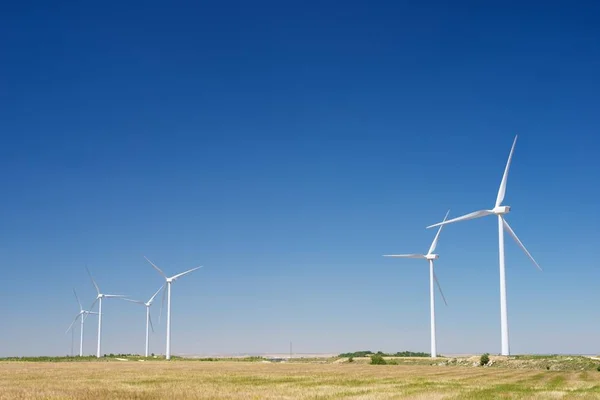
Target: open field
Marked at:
259, 380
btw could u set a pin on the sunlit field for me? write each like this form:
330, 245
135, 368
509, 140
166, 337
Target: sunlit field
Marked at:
262, 380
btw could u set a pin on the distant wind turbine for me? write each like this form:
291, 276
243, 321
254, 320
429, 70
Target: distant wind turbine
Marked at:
83, 315
148, 317
168, 281
499, 210
99, 298
430, 256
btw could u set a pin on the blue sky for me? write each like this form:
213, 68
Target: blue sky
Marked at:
286, 146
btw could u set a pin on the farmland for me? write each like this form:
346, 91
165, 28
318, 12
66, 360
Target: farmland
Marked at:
568, 378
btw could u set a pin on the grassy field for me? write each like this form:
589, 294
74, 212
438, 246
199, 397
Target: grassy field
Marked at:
258, 380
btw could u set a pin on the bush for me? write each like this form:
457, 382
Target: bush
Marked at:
598, 369
377, 359
412, 354
363, 353
485, 358
351, 359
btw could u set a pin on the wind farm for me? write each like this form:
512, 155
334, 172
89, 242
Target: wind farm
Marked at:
406, 373
299, 200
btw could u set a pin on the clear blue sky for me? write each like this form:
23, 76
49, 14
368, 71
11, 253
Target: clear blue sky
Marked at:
286, 146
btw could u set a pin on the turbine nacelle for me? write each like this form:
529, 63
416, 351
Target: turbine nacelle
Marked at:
431, 256
501, 210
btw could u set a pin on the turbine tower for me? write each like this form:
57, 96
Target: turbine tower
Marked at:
430, 256
99, 298
83, 315
148, 317
168, 282
500, 211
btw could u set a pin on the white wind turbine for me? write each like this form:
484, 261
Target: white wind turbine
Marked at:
499, 210
168, 281
148, 317
430, 256
83, 315
99, 298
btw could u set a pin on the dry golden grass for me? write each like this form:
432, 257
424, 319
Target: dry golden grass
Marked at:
241, 380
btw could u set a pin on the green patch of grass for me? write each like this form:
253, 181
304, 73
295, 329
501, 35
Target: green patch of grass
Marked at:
534, 356
505, 390
345, 394
591, 389
556, 382
429, 386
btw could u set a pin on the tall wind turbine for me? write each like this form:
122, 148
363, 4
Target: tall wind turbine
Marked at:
99, 298
169, 281
500, 211
148, 317
83, 315
430, 256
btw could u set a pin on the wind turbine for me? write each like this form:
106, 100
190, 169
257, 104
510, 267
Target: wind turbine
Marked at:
168, 281
99, 298
500, 211
148, 317
430, 256
83, 315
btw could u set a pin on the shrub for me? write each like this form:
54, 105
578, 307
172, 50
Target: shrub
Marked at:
377, 359
363, 353
485, 358
351, 359
598, 369
413, 354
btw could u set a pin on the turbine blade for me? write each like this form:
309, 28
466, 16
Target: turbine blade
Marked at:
437, 236
93, 281
135, 301
475, 214
120, 296
514, 235
502, 189
439, 287
78, 302
151, 326
156, 268
154, 295
405, 255
91, 308
185, 273
72, 323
